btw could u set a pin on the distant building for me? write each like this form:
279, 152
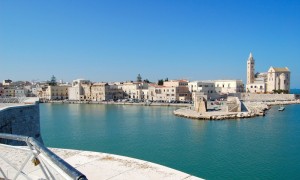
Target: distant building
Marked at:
98, 91
206, 87
274, 79
173, 90
1, 92
55, 93
6, 82
229, 86
278, 79
182, 89
20, 93
105, 91
133, 90
80, 90
8, 92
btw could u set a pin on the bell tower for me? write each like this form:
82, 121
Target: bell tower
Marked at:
250, 69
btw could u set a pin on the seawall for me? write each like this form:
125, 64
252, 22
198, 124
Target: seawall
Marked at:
20, 119
266, 97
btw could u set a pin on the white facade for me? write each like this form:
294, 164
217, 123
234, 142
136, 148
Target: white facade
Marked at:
278, 79
274, 79
20, 93
133, 90
250, 69
77, 91
229, 86
6, 82
206, 87
256, 87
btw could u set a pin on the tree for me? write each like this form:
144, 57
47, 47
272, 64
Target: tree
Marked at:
53, 81
139, 78
167, 79
160, 82
146, 81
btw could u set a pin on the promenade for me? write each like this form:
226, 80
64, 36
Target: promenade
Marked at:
95, 165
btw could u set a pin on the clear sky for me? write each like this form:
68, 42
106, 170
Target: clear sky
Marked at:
114, 40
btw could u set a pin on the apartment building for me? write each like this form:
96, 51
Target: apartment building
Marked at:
133, 90
229, 86
206, 87
80, 90
181, 88
55, 92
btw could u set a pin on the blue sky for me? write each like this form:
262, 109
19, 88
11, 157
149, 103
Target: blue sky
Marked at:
115, 40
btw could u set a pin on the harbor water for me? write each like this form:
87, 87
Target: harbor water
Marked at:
256, 148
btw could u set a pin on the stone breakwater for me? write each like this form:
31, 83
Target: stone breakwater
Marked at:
253, 109
189, 113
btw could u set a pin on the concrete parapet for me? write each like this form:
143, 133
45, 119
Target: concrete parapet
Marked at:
20, 119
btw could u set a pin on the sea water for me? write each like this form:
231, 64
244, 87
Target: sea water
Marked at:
256, 148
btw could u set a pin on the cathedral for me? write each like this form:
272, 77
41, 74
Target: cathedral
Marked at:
276, 79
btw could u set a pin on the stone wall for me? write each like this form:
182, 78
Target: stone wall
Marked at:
266, 97
20, 120
234, 104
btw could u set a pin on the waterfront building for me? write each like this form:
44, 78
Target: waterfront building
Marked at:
206, 87
80, 90
145, 94
176, 83
274, 79
55, 92
250, 69
133, 90
114, 92
161, 93
98, 91
174, 90
278, 79
258, 86
182, 92
229, 86
105, 91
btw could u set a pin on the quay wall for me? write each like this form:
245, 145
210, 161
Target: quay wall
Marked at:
266, 97
20, 120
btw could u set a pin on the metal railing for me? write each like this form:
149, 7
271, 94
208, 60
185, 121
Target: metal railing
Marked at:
49, 164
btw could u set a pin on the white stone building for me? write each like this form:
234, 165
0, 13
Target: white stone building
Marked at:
278, 79
133, 90
229, 86
80, 90
206, 87
274, 79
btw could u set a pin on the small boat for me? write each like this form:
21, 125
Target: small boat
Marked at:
281, 108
